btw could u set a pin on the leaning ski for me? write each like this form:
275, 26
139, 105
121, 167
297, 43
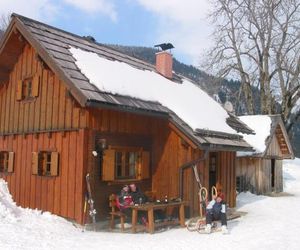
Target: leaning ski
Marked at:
92, 210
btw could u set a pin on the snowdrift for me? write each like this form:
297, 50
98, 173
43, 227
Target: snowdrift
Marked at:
8, 208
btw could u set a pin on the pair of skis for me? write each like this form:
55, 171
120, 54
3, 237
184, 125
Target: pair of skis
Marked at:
89, 200
199, 224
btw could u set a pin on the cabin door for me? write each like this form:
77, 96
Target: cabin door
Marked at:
212, 171
273, 174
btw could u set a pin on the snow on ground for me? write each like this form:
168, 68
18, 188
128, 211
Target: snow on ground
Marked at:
271, 223
184, 99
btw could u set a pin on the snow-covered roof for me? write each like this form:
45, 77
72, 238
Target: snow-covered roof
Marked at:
261, 125
187, 100
100, 77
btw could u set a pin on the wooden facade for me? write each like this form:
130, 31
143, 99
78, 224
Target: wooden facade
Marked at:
262, 174
257, 176
52, 121
168, 152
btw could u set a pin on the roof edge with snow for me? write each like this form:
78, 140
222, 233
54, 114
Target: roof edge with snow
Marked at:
53, 45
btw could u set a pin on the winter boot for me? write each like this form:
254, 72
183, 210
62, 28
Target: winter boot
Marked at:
207, 228
224, 229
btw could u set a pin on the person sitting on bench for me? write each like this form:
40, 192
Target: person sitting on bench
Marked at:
216, 210
124, 200
138, 197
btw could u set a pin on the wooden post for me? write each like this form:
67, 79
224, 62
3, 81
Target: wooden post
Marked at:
134, 219
151, 221
181, 215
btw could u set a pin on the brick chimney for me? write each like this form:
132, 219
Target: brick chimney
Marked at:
164, 64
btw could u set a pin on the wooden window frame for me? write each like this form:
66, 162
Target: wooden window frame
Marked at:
45, 163
6, 162
125, 163
110, 167
28, 88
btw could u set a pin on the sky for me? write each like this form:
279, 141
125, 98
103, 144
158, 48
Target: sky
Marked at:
127, 22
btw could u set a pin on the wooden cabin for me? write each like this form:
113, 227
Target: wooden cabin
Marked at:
56, 126
261, 171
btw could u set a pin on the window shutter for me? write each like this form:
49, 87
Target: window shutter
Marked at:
35, 162
19, 90
54, 164
35, 85
10, 162
108, 166
144, 171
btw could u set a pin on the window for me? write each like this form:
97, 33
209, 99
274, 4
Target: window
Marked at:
6, 161
28, 88
125, 164
45, 163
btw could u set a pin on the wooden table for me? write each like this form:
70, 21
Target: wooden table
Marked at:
150, 207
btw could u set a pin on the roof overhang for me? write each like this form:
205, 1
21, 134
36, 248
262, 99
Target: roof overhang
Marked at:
21, 30
124, 108
11, 46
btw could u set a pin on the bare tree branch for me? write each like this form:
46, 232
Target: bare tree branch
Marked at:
258, 41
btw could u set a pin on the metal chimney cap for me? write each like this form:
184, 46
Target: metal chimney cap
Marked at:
165, 46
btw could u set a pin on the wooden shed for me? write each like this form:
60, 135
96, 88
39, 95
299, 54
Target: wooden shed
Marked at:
56, 126
261, 171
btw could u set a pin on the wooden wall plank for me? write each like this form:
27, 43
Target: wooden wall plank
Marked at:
28, 74
32, 177
23, 172
51, 180
81, 145
44, 180
56, 97
68, 115
49, 107
22, 107
2, 105
72, 175
64, 175
27, 169
13, 175
38, 101
62, 105
44, 88
13, 79
278, 176
57, 184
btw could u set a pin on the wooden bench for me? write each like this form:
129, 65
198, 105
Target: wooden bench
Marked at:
115, 212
